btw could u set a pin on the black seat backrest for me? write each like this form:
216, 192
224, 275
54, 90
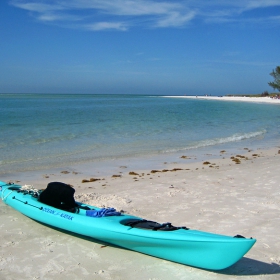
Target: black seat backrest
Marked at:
58, 195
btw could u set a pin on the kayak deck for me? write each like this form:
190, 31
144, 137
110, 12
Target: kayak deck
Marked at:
186, 246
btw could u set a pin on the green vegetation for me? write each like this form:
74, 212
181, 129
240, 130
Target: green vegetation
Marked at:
276, 75
265, 93
275, 85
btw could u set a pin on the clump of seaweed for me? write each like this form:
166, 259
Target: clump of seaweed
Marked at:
236, 160
90, 180
133, 173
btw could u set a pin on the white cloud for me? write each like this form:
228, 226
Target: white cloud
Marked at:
121, 15
253, 4
126, 7
36, 7
106, 25
175, 19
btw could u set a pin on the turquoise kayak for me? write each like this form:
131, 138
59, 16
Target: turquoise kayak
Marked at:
181, 245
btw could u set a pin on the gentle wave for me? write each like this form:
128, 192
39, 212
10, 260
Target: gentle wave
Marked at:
233, 138
213, 142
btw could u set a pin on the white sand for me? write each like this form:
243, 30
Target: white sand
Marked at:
221, 197
234, 98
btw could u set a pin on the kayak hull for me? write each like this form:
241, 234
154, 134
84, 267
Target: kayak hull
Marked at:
189, 247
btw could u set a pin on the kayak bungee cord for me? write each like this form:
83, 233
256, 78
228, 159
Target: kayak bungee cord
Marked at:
30, 190
2, 193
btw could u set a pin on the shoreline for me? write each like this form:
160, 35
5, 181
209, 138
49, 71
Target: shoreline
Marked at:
43, 151
232, 194
233, 98
119, 167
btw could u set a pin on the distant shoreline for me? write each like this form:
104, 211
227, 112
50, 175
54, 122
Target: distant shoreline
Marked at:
233, 98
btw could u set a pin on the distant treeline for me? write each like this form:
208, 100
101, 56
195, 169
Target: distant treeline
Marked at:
264, 94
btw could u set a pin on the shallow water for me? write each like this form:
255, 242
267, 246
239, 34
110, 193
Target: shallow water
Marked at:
45, 131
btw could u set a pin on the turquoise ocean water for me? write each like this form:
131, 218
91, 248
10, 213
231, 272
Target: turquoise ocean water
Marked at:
45, 131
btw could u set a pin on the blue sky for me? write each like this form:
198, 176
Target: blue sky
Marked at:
138, 46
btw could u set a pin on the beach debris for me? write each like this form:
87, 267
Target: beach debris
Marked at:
185, 157
167, 170
116, 176
239, 156
255, 155
176, 169
236, 160
90, 180
213, 165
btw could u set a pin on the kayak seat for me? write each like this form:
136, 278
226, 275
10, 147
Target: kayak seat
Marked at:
150, 225
59, 195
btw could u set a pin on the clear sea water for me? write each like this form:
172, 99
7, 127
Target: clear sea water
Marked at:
45, 131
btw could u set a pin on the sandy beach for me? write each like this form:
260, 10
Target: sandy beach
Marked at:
234, 194
234, 98
162, 111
